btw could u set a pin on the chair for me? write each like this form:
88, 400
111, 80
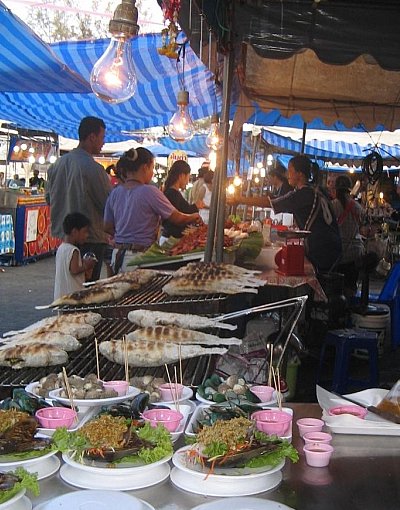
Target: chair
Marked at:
390, 296
345, 341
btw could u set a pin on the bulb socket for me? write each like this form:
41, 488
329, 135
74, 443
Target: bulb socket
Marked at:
214, 118
124, 20
183, 97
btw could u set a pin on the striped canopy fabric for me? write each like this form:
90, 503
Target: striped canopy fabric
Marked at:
329, 149
45, 87
28, 65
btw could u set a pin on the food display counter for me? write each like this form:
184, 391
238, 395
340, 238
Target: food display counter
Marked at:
31, 225
364, 473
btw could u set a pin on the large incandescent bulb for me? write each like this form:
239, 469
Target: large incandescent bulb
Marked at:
214, 139
181, 127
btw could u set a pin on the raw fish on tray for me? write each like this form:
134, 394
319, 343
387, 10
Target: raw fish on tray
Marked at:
172, 334
146, 318
152, 354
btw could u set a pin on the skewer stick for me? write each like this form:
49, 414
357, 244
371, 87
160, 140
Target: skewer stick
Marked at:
97, 357
125, 345
276, 386
176, 390
69, 393
279, 390
180, 363
170, 383
270, 368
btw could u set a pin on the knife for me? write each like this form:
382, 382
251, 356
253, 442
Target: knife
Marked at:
387, 415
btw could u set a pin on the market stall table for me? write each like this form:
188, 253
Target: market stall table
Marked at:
364, 473
30, 216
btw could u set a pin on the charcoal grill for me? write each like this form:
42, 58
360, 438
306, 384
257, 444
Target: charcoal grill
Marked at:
83, 362
151, 297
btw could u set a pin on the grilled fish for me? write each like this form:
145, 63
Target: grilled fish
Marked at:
90, 318
172, 334
152, 354
61, 340
146, 318
32, 355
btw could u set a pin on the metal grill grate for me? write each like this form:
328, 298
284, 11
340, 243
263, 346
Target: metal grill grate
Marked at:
83, 361
152, 296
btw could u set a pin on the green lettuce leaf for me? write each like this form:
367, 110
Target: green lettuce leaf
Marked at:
27, 481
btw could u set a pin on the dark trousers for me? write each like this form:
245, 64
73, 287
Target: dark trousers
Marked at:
98, 249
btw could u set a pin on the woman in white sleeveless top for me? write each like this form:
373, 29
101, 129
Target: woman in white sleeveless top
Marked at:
205, 196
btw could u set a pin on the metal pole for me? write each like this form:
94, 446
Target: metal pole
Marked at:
249, 181
229, 61
303, 139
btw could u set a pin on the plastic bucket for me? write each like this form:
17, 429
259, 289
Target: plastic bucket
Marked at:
377, 320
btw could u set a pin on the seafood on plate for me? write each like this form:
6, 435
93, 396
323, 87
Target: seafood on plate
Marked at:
150, 385
13, 482
232, 389
172, 334
236, 443
142, 353
148, 318
114, 439
135, 278
23, 401
82, 388
17, 434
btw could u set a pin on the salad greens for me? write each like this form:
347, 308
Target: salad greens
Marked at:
26, 481
31, 454
76, 443
270, 458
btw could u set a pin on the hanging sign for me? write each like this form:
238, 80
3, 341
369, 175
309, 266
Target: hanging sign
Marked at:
176, 156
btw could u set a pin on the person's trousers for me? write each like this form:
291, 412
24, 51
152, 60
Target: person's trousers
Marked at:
98, 249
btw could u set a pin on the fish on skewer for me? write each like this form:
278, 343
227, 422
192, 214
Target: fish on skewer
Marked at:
90, 318
56, 338
204, 267
172, 334
152, 354
186, 286
32, 355
146, 318
136, 278
68, 328
92, 295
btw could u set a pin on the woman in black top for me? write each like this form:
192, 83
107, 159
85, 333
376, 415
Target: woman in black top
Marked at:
177, 180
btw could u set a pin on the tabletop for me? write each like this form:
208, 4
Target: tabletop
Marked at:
364, 474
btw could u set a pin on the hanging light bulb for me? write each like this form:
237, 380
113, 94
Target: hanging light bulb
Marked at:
213, 160
180, 127
237, 181
262, 172
42, 160
270, 159
32, 150
24, 146
113, 77
214, 139
53, 159
230, 189
31, 159
16, 149
256, 180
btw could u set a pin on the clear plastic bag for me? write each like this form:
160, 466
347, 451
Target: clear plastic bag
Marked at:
391, 402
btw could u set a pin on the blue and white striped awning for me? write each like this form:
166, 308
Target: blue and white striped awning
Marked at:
27, 64
196, 145
46, 87
329, 149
